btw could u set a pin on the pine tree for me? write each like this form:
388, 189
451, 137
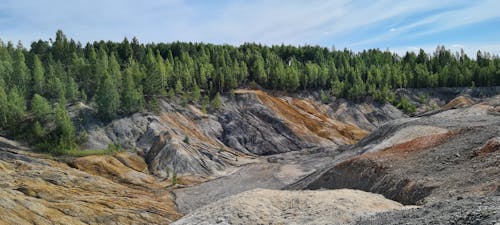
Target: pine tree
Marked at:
155, 75
38, 76
20, 74
4, 105
132, 98
17, 108
178, 87
196, 93
114, 70
65, 130
40, 107
107, 99
216, 101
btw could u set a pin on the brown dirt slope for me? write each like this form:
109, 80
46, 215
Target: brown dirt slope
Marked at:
307, 121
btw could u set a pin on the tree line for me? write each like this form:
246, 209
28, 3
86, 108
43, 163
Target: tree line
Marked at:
120, 78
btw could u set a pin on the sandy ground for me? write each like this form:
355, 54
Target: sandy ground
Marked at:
261, 206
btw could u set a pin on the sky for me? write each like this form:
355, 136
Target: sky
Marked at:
397, 25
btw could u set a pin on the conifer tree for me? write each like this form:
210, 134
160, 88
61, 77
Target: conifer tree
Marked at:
65, 129
131, 98
40, 107
38, 76
107, 99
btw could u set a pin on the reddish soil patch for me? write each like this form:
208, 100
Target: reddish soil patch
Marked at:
409, 147
490, 146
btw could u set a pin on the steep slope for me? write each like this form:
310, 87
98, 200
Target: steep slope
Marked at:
177, 140
186, 141
259, 123
36, 190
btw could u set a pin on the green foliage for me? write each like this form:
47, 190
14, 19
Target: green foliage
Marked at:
196, 93
325, 99
216, 101
65, 130
40, 108
178, 87
132, 99
16, 109
107, 98
38, 131
124, 77
204, 104
405, 105
174, 178
186, 140
38, 76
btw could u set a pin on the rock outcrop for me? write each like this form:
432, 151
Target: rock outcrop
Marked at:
258, 123
37, 190
186, 141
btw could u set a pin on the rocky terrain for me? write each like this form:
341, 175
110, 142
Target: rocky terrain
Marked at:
109, 190
261, 206
227, 166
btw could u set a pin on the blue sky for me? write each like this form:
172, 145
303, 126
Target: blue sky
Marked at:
398, 25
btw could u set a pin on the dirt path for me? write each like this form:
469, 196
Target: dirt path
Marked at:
273, 172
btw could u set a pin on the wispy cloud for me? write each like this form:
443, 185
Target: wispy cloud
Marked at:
344, 23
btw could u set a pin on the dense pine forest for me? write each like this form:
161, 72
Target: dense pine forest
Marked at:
118, 79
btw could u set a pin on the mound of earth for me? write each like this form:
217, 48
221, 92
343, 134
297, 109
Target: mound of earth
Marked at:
261, 206
458, 102
37, 190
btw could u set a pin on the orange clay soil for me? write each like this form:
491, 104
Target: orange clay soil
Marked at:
307, 121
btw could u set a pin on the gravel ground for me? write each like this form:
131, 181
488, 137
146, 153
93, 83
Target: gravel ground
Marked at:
473, 211
261, 206
273, 172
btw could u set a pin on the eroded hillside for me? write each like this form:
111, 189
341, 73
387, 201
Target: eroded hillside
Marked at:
112, 190
262, 140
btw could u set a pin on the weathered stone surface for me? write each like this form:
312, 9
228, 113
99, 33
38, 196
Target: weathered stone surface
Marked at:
262, 124
184, 140
36, 190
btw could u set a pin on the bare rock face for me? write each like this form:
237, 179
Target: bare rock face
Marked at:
261, 206
259, 123
36, 190
177, 141
364, 115
184, 140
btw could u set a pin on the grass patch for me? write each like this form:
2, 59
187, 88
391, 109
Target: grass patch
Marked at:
58, 151
82, 153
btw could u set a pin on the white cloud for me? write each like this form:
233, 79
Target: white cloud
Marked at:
270, 22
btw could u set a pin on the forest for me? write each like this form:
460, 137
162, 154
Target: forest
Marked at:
120, 78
